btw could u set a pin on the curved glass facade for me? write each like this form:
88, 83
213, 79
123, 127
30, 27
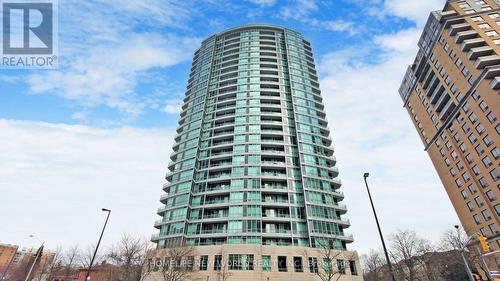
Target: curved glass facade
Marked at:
252, 160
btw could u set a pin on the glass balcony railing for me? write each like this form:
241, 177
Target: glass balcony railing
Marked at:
219, 176
213, 231
215, 216
217, 201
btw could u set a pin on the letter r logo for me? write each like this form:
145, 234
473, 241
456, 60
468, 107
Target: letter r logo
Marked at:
27, 28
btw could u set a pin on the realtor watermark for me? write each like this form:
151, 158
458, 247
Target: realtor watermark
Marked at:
29, 31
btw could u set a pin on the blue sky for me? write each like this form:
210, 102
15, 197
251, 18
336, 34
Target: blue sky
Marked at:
97, 131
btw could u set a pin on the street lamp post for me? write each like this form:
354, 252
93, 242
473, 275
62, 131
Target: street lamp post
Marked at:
462, 249
98, 243
379, 230
38, 253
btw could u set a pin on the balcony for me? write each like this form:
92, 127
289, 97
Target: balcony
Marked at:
474, 53
483, 62
161, 209
495, 83
472, 43
458, 27
217, 201
447, 109
163, 197
346, 237
463, 35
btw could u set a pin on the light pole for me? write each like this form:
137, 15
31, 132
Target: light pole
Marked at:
462, 249
365, 175
98, 243
38, 253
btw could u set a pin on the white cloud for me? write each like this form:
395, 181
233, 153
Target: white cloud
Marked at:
298, 10
55, 178
373, 133
263, 2
417, 11
109, 74
173, 106
340, 26
103, 63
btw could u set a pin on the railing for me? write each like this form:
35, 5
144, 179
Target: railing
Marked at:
211, 202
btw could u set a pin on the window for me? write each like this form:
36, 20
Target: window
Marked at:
458, 182
313, 262
491, 196
190, 263
453, 172
470, 206
487, 140
266, 263
487, 161
473, 118
463, 147
480, 129
495, 152
203, 263
352, 267
491, 117
494, 16
464, 194
297, 264
476, 170
472, 138
479, 201
484, 26
494, 175
497, 209
477, 219
341, 266
486, 215
479, 149
469, 158
493, 228
483, 105
483, 183
477, 19
240, 262
466, 128
218, 262
472, 188
282, 264
466, 177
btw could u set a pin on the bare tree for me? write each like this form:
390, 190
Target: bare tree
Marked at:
455, 239
329, 257
129, 254
373, 265
176, 264
407, 251
70, 257
86, 256
48, 265
223, 267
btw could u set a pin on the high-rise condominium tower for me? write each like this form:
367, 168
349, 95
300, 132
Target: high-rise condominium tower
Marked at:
452, 93
253, 179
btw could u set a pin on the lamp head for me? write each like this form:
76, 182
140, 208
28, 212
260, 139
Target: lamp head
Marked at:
456, 226
105, 210
366, 175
